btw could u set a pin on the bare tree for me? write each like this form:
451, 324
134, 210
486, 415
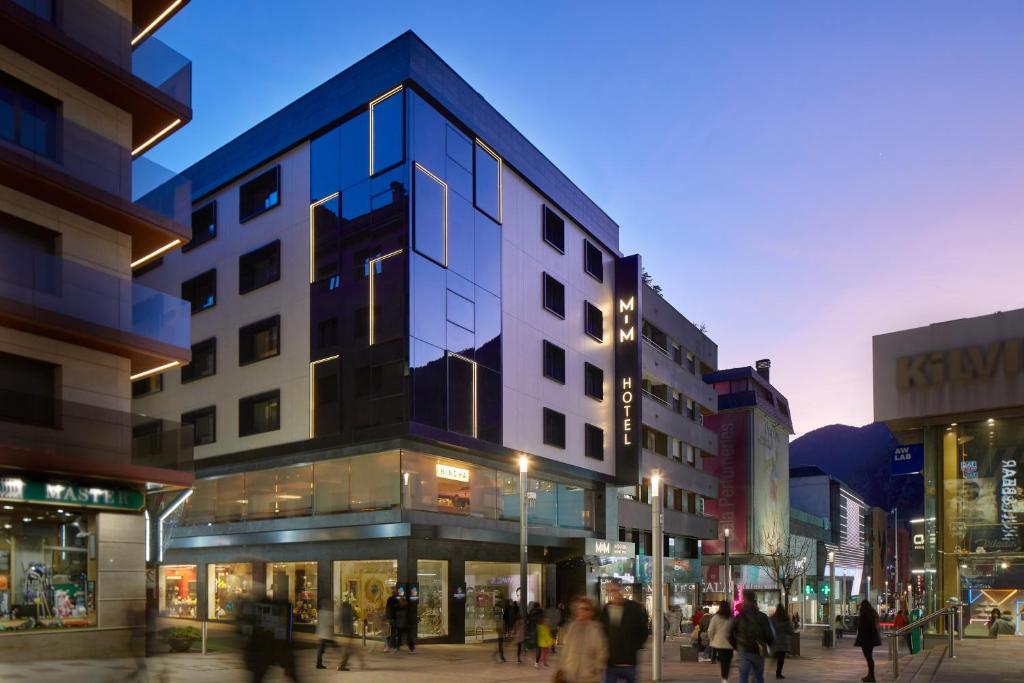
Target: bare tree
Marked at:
783, 558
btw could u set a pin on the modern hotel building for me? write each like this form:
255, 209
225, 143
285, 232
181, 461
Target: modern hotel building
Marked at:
85, 89
394, 297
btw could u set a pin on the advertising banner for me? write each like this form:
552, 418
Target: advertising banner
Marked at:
908, 459
627, 332
731, 467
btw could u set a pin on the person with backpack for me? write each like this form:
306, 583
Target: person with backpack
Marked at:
751, 637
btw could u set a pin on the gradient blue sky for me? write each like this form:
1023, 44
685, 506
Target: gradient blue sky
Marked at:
798, 176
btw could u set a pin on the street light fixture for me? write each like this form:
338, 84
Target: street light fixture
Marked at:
831, 594
524, 467
656, 575
728, 571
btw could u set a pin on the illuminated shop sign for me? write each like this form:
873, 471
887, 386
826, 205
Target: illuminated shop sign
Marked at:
64, 493
453, 473
601, 547
627, 369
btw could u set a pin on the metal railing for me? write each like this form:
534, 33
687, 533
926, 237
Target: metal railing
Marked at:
894, 635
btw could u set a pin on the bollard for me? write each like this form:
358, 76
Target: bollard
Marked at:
205, 624
364, 632
952, 629
894, 654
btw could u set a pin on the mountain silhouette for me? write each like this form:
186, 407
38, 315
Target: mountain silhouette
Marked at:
860, 457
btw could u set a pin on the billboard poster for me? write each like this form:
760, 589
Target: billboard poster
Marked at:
769, 489
984, 501
908, 459
731, 467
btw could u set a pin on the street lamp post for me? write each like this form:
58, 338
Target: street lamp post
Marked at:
524, 466
728, 571
656, 576
831, 594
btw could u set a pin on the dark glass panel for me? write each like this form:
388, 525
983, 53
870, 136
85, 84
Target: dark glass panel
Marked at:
260, 267
460, 310
259, 341
488, 254
429, 216
204, 226
486, 189
488, 405
428, 136
260, 194
459, 148
460, 395
554, 362
388, 132
554, 229
355, 208
327, 334
488, 329
460, 340
29, 117
554, 428
354, 150
147, 385
428, 301
593, 381
460, 181
200, 291
204, 425
593, 260
327, 397
388, 300
554, 296
203, 363
258, 414
326, 235
325, 165
594, 446
461, 237
379, 394
593, 321
28, 390
428, 371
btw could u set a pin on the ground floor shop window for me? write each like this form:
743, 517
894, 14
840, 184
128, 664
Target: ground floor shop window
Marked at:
488, 586
228, 585
295, 583
365, 585
47, 568
177, 594
432, 577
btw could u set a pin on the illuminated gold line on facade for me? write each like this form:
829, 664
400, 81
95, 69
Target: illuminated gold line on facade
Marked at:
156, 22
312, 394
373, 266
472, 364
498, 159
150, 142
312, 230
444, 220
153, 371
154, 254
374, 103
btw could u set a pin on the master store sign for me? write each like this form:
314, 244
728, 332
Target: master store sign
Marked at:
57, 492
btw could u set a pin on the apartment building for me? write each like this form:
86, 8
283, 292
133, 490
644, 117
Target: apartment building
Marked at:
85, 89
395, 299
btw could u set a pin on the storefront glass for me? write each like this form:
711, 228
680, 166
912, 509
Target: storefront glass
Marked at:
47, 568
295, 583
227, 586
178, 590
279, 492
432, 577
366, 585
488, 586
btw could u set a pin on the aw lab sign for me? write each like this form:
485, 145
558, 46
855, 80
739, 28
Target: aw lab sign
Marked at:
627, 369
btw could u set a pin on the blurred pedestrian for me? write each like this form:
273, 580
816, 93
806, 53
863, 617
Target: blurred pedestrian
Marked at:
899, 622
348, 632
751, 638
518, 633
784, 635
584, 648
704, 647
553, 614
324, 630
868, 636
719, 634
501, 628
390, 609
544, 642
625, 625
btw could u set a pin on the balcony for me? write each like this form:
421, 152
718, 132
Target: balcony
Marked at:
94, 441
54, 297
636, 515
659, 415
680, 474
91, 45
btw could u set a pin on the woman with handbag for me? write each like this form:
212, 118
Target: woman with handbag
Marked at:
868, 637
784, 635
584, 651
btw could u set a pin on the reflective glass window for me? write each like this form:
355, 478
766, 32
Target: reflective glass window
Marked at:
461, 409
554, 362
487, 245
428, 384
432, 577
554, 428
326, 407
326, 233
575, 507
487, 182
428, 141
460, 310
204, 226
279, 492
430, 215
325, 164
178, 590
427, 288
593, 381
459, 148
554, 230
147, 385
296, 584
362, 587
593, 261
229, 585
593, 320
260, 194
461, 237
29, 117
542, 504
594, 438
354, 150
488, 329
554, 296
489, 586
203, 363
259, 267
259, 341
488, 405
508, 489
387, 131
204, 425
201, 291
260, 413
29, 390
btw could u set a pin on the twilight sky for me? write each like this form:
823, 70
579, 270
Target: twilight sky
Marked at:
798, 176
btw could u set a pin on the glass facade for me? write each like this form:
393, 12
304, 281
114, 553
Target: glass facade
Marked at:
295, 583
432, 578
178, 586
47, 570
228, 585
489, 585
366, 586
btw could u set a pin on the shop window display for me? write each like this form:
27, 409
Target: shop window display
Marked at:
47, 568
366, 586
432, 577
295, 583
229, 585
488, 586
178, 590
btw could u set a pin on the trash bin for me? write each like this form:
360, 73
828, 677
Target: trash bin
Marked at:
915, 641
826, 638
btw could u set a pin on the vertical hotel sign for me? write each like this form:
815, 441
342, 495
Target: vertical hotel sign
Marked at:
627, 369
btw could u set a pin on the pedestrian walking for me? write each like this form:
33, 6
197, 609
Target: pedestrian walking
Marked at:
899, 622
751, 638
348, 632
544, 642
518, 632
324, 630
405, 624
625, 626
704, 647
868, 636
390, 610
501, 628
584, 647
785, 633
553, 614
720, 634
840, 629
796, 621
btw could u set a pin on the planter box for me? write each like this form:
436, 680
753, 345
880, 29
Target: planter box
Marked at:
179, 644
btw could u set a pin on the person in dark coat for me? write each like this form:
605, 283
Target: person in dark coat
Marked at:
868, 636
625, 625
785, 633
390, 610
751, 636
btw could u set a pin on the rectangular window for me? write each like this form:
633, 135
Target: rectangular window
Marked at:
593, 261
554, 230
327, 333
593, 321
260, 413
147, 385
387, 140
28, 390
260, 267
204, 226
29, 118
430, 215
554, 362
204, 425
201, 291
259, 341
204, 361
487, 181
554, 296
260, 194
593, 381
594, 442
554, 428
176, 590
